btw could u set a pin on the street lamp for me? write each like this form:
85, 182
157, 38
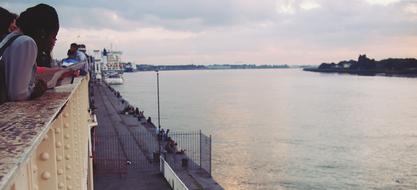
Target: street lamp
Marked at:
157, 86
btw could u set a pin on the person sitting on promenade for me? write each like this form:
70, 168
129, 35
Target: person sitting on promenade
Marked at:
125, 110
131, 110
128, 109
137, 112
171, 146
166, 136
38, 27
161, 134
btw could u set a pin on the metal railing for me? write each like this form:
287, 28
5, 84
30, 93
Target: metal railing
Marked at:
196, 147
170, 175
47, 141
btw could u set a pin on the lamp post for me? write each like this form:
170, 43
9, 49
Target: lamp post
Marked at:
157, 86
159, 120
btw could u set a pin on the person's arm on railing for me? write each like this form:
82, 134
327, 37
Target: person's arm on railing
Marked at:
39, 89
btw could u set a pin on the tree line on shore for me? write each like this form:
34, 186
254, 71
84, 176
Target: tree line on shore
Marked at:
367, 66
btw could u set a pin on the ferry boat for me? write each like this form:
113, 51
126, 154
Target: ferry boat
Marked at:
111, 67
113, 78
128, 67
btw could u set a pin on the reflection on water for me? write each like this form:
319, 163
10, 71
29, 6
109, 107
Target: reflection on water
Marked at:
288, 129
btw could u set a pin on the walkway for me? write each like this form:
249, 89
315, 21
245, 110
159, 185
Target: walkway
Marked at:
116, 142
136, 142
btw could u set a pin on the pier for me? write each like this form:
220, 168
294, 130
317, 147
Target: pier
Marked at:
126, 150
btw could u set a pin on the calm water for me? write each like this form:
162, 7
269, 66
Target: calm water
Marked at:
289, 129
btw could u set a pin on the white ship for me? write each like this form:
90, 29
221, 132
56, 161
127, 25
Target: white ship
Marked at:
113, 78
111, 69
97, 65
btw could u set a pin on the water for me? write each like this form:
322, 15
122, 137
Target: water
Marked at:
289, 129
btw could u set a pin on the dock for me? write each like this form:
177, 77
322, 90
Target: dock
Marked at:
126, 151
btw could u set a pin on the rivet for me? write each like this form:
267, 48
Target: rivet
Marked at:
69, 177
58, 144
46, 175
68, 167
60, 185
44, 156
69, 187
66, 114
66, 125
67, 136
67, 146
67, 157
57, 130
58, 158
60, 171
35, 187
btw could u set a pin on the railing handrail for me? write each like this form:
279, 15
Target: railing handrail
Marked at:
27, 125
163, 165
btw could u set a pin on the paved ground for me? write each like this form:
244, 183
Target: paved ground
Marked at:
134, 140
115, 142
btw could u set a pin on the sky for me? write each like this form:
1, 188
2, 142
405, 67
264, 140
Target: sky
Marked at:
236, 31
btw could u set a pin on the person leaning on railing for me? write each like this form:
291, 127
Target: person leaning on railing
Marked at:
7, 22
38, 27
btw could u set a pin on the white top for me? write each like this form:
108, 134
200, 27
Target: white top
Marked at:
20, 66
81, 56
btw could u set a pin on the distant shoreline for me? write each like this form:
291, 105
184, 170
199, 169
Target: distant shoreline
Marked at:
145, 68
212, 69
362, 73
369, 67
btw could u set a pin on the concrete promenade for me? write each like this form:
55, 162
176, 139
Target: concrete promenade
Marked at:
140, 174
135, 142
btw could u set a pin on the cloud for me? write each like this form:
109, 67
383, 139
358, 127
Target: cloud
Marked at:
226, 31
382, 2
286, 7
411, 8
291, 7
309, 5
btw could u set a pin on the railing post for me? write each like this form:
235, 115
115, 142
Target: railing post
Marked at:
201, 151
210, 156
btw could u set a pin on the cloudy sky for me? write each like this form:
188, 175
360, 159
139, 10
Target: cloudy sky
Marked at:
237, 31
